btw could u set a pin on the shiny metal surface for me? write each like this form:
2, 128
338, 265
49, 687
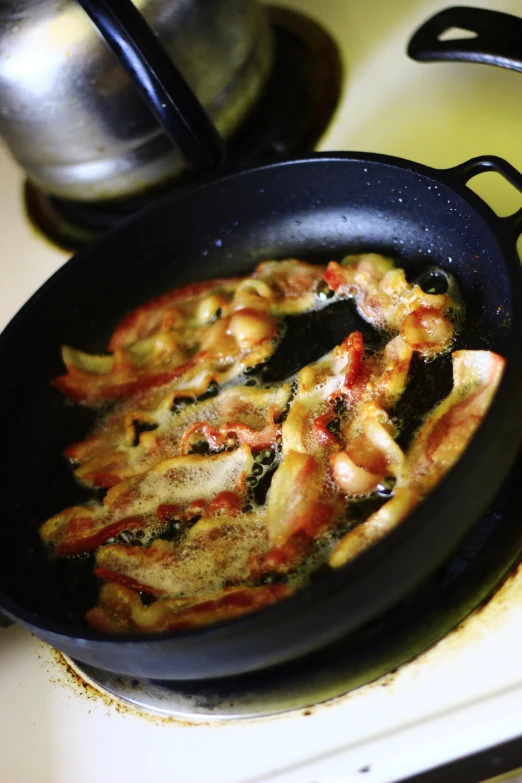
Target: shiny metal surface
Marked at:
199, 701
294, 110
74, 120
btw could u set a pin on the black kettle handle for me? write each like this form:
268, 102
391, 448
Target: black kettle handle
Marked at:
167, 93
497, 40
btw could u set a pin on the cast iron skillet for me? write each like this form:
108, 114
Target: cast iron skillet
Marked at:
317, 208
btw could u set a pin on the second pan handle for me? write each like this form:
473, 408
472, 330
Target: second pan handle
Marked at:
470, 168
497, 39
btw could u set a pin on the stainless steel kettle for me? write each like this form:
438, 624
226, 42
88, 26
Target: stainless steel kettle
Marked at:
74, 119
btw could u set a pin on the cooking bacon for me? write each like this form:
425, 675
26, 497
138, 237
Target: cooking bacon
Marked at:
229, 435
370, 452
76, 530
448, 429
438, 445
375, 527
224, 325
225, 349
385, 299
217, 498
242, 414
294, 284
214, 553
121, 610
289, 511
185, 480
358, 456
164, 311
93, 388
287, 557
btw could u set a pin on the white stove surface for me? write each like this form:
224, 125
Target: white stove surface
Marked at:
461, 696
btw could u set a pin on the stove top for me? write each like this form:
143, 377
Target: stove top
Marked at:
462, 695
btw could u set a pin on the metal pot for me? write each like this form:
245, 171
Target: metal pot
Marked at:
73, 118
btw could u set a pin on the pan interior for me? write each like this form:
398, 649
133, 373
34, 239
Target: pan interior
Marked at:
318, 211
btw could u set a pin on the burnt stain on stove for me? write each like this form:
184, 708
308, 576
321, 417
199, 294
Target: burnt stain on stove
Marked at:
509, 591
72, 679
83, 689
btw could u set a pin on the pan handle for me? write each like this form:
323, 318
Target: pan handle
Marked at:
497, 40
466, 171
167, 93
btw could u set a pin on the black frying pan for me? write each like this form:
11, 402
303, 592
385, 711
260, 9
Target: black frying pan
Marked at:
317, 208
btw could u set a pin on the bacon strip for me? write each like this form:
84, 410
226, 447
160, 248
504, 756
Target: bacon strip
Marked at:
134, 503
448, 429
149, 317
438, 445
215, 553
370, 452
359, 456
230, 434
241, 414
226, 325
385, 299
290, 511
92, 389
375, 527
225, 350
120, 609
294, 284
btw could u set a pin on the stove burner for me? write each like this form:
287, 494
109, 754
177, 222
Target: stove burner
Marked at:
289, 118
446, 598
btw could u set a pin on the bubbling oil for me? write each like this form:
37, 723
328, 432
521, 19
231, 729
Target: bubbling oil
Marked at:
328, 321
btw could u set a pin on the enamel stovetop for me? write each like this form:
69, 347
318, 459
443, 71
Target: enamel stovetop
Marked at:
461, 696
